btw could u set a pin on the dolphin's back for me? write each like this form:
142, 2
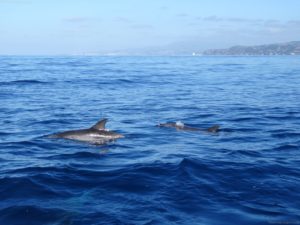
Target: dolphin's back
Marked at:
86, 135
97, 134
89, 135
183, 127
71, 133
189, 128
213, 129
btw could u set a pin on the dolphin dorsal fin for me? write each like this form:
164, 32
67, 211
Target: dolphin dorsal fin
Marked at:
100, 125
213, 129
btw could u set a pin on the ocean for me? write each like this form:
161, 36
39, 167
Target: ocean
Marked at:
248, 173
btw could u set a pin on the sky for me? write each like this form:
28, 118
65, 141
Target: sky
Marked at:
55, 27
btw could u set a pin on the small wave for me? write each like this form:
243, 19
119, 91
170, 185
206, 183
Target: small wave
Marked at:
241, 130
287, 147
23, 82
29, 214
52, 121
3, 160
229, 64
125, 81
115, 82
5, 133
77, 155
286, 135
258, 210
280, 117
249, 153
24, 143
245, 119
25, 187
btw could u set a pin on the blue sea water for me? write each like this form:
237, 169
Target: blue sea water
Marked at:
249, 173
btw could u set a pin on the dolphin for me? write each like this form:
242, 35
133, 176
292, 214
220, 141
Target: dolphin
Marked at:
181, 126
97, 134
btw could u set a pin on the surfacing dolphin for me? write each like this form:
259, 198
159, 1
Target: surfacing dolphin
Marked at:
181, 126
97, 134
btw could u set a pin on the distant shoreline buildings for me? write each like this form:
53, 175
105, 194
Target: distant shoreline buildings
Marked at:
289, 48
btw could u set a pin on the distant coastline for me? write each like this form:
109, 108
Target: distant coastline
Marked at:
278, 49
288, 48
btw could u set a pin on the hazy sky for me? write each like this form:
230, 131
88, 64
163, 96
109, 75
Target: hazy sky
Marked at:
140, 26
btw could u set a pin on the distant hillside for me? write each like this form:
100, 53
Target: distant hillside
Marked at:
289, 48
